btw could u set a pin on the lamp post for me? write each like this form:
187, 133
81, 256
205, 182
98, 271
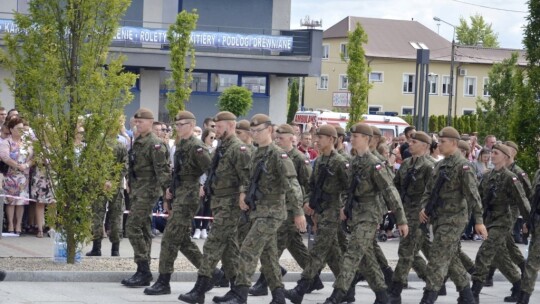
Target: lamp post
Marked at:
452, 56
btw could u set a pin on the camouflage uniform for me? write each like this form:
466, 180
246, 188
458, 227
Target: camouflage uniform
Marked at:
245, 223
533, 261
149, 175
231, 173
193, 159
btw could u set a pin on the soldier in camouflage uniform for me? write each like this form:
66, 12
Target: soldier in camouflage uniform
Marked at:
410, 181
334, 169
99, 208
231, 168
149, 174
272, 176
500, 190
363, 211
288, 236
191, 160
242, 131
447, 198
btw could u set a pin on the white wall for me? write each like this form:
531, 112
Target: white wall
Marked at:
149, 86
277, 109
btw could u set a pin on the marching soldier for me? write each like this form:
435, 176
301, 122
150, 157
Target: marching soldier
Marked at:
191, 160
224, 186
149, 174
446, 200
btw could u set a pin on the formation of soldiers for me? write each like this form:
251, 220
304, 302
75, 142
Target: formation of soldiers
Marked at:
261, 193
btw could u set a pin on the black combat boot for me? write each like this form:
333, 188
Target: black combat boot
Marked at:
336, 297
196, 295
115, 249
489, 278
237, 295
223, 282
96, 248
442, 291
260, 288
466, 296
217, 275
137, 273
516, 288
317, 284
523, 298
161, 286
476, 288
296, 295
381, 297
349, 297
143, 278
227, 296
388, 275
395, 293
429, 297
2, 275
278, 296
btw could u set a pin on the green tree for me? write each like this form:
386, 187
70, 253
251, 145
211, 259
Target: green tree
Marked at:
441, 122
477, 32
293, 99
357, 74
64, 78
236, 100
178, 36
433, 123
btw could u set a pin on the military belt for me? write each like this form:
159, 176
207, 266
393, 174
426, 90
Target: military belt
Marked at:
188, 178
225, 191
364, 198
272, 197
145, 174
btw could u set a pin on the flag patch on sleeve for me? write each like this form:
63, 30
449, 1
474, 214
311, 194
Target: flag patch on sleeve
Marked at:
157, 147
199, 150
242, 148
378, 167
284, 155
466, 168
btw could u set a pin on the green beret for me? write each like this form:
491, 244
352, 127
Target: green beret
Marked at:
285, 129
184, 115
224, 115
376, 131
242, 125
327, 130
144, 113
340, 131
362, 128
463, 145
259, 119
449, 132
512, 145
422, 136
503, 148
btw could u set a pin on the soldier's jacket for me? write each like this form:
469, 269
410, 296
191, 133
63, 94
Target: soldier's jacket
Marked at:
121, 157
525, 183
458, 194
534, 200
374, 189
278, 179
232, 172
420, 170
303, 170
151, 162
506, 192
336, 182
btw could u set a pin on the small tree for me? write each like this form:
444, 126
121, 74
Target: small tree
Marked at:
478, 32
433, 123
236, 100
179, 35
357, 74
293, 99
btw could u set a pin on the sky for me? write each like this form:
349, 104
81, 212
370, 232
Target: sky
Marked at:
509, 25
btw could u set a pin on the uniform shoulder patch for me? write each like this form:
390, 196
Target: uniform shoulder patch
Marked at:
199, 150
347, 165
378, 167
524, 174
515, 179
466, 167
157, 147
284, 155
306, 161
243, 148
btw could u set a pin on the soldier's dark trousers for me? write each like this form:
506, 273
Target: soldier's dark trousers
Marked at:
408, 254
533, 261
99, 208
138, 229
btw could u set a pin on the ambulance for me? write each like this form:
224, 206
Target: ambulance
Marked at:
391, 126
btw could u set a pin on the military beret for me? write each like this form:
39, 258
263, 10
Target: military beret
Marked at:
449, 132
144, 113
503, 148
465, 137
362, 128
285, 129
463, 145
376, 131
184, 115
259, 119
224, 115
512, 145
340, 131
422, 136
327, 130
242, 125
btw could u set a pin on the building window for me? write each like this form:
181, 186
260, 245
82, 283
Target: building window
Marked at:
325, 51
343, 50
222, 81
433, 84
323, 82
343, 82
199, 82
408, 83
469, 86
486, 91
256, 84
376, 77
374, 109
406, 111
446, 85
468, 111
